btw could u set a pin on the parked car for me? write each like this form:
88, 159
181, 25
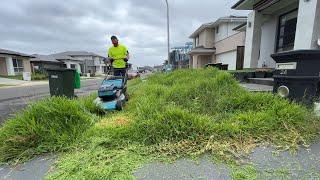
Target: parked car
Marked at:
133, 74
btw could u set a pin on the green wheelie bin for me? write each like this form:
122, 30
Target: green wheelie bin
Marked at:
62, 82
77, 80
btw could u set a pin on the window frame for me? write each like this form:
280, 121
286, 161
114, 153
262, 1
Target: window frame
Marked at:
197, 41
278, 48
16, 66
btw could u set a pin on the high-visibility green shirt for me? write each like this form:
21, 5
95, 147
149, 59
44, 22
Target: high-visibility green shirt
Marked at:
118, 53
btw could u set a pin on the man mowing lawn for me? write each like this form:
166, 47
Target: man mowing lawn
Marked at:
118, 55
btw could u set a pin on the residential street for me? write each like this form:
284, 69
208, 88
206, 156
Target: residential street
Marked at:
13, 99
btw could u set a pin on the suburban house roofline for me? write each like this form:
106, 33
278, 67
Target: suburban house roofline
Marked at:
237, 4
70, 59
79, 53
200, 29
241, 27
45, 58
218, 22
62, 57
250, 5
13, 53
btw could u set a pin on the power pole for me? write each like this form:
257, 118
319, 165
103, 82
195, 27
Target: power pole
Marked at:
168, 31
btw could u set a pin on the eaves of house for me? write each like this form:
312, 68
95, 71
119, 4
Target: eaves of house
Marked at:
202, 50
217, 23
45, 58
13, 53
253, 5
79, 53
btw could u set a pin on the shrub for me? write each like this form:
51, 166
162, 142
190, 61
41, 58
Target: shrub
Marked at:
38, 76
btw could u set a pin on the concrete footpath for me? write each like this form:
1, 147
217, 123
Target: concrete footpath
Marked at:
19, 83
304, 165
7, 81
257, 87
33, 170
13, 83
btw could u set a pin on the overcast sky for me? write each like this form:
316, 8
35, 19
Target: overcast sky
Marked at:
47, 26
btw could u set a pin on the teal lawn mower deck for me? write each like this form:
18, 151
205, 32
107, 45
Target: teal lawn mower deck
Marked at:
112, 93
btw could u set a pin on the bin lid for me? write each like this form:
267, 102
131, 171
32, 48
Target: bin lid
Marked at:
297, 55
60, 69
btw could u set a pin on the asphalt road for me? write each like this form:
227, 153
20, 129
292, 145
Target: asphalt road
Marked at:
14, 99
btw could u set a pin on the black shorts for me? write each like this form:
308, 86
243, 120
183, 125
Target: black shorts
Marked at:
119, 72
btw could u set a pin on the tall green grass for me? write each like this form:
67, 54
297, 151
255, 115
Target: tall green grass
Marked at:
49, 125
191, 104
186, 113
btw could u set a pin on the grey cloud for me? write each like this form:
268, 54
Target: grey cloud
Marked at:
45, 26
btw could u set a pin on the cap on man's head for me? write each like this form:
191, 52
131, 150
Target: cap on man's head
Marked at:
113, 37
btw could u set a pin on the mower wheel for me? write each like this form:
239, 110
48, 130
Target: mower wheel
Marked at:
119, 105
127, 96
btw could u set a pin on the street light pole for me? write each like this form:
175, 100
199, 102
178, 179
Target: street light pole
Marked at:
168, 31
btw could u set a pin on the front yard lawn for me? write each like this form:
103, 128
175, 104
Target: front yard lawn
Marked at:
17, 77
34, 77
186, 113
4, 85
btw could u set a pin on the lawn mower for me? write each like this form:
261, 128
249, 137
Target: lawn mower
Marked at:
112, 92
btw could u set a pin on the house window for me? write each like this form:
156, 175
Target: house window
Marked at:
217, 29
197, 41
287, 31
17, 65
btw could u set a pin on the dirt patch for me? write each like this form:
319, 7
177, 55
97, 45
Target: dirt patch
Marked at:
115, 122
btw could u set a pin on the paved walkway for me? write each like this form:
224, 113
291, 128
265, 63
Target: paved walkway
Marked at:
32, 170
304, 165
7, 81
257, 87
12, 83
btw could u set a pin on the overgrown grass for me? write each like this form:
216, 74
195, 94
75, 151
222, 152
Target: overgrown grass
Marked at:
34, 77
188, 114
183, 114
4, 85
49, 125
17, 77
187, 105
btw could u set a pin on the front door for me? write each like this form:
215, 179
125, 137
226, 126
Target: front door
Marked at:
240, 57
